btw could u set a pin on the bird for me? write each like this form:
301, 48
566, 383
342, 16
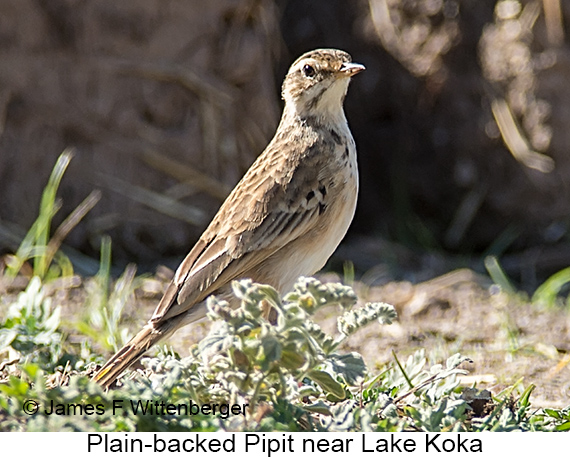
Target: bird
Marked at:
283, 219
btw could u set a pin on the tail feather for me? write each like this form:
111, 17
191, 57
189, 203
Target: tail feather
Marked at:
152, 333
127, 355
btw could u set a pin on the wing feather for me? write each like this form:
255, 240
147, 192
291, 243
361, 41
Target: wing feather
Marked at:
261, 216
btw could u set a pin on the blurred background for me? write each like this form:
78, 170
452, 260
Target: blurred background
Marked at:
462, 122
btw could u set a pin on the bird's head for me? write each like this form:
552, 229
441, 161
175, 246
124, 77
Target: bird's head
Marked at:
317, 82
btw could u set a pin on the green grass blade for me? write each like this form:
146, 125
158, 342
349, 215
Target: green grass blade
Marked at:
548, 291
47, 205
498, 275
408, 380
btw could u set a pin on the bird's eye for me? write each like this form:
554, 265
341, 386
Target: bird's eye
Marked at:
309, 71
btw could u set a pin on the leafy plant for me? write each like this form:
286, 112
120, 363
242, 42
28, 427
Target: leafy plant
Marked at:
247, 357
30, 328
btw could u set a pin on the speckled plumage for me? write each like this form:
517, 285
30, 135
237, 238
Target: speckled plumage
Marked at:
284, 218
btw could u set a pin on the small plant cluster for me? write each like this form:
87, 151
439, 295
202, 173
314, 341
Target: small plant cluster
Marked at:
288, 376
29, 330
246, 359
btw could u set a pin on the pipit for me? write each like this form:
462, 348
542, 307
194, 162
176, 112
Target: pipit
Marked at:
284, 218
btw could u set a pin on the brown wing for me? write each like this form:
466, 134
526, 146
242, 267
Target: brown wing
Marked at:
276, 202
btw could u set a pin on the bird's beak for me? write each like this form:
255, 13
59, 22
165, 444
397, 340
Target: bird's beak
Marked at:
349, 69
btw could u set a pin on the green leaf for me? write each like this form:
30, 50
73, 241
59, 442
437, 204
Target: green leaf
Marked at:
350, 366
271, 295
7, 336
271, 348
319, 407
31, 370
552, 413
525, 397
327, 383
215, 343
563, 427
548, 291
455, 360
292, 360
